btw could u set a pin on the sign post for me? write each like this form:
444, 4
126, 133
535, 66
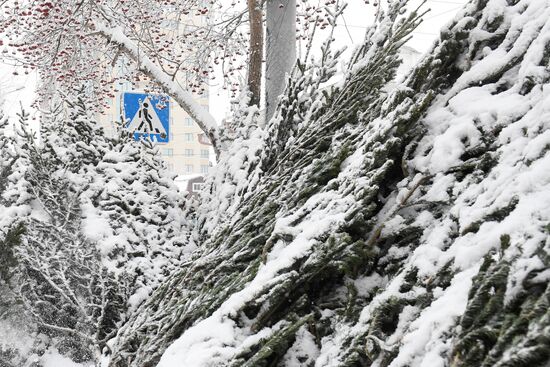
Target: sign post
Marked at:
147, 116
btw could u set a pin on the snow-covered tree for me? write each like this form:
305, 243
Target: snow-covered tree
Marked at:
135, 213
91, 225
287, 177
368, 224
385, 228
58, 275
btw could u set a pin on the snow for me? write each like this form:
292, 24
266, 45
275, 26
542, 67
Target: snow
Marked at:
519, 272
138, 297
104, 226
52, 358
367, 285
458, 121
195, 348
13, 336
234, 176
95, 227
525, 21
423, 344
304, 351
474, 114
216, 338
459, 214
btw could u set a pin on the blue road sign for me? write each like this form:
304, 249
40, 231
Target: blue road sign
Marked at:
147, 115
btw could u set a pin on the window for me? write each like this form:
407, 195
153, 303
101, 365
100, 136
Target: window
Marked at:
170, 167
188, 121
204, 168
168, 152
205, 153
197, 186
189, 168
188, 137
188, 152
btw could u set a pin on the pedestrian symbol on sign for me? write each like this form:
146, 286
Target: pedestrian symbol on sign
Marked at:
148, 116
146, 121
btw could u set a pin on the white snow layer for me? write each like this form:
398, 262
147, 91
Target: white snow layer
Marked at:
458, 121
52, 358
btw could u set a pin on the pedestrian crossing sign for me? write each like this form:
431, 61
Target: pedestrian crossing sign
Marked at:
147, 116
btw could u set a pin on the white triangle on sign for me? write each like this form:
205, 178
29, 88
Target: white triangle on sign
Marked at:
146, 120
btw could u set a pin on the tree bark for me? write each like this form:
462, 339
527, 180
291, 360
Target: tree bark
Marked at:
256, 51
280, 50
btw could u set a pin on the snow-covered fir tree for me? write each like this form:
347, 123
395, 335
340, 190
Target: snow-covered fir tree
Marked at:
402, 228
83, 215
372, 223
134, 212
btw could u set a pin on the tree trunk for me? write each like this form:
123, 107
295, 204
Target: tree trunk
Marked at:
256, 50
281, 48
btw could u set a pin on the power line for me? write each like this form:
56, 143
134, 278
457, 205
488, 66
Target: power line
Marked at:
445, 12
347, 29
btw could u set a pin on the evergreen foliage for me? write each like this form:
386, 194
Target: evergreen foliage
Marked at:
500, 332
357, 218
92, 224
232, 257
362, 226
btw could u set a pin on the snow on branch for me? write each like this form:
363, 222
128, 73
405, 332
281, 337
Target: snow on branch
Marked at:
185, 99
